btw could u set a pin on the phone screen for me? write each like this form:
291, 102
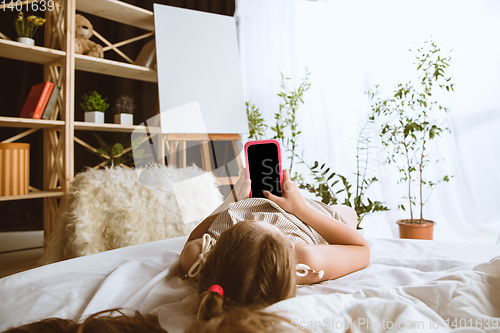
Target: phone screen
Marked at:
263, 166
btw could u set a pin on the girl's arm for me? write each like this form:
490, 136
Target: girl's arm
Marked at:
334, 260
192, 248
347, 251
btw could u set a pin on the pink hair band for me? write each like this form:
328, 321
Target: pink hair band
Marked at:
217, 289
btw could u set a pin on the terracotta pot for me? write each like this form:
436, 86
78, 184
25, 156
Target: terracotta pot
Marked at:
417, 230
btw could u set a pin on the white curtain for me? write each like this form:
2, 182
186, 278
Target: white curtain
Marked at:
349, 46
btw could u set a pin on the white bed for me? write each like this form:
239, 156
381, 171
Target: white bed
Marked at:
408, 283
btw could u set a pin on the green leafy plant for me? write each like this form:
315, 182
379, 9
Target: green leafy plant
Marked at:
124, 104
93, 101
410, 121
324, 182
26, 27
286, 117
117, 154
256, 124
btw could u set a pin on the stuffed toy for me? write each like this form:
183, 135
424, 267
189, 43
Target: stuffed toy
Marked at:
83, 44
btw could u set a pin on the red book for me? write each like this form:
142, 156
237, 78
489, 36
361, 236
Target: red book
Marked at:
37, 100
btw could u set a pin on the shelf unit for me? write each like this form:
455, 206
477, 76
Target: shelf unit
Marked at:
60, 63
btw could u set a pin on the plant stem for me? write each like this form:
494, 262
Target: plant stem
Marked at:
407, 153
422, 156
361, 191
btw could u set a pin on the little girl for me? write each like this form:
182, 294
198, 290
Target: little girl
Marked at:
251, 253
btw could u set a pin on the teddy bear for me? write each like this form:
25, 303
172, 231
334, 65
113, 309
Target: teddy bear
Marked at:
83, 44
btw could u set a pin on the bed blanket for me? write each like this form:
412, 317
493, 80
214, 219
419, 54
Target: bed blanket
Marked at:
446, 286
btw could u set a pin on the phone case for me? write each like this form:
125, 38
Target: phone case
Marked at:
258, 142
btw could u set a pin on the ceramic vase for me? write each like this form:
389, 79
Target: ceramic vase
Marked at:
26, 41
124, 119
94, 117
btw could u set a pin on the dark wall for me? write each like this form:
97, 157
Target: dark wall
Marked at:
17, 77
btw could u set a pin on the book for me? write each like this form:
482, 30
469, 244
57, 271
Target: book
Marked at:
51, 104
37, 100
147, 56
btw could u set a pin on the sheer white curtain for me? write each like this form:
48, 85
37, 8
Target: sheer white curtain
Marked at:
348, 46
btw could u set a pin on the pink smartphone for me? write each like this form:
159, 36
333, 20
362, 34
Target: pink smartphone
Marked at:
263, 160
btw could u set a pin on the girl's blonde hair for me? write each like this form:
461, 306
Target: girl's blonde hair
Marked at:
254, 267
100, 322
243, 321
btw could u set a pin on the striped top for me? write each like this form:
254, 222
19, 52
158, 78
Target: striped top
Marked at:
265, 210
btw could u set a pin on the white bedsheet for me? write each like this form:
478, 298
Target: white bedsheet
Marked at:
407, 281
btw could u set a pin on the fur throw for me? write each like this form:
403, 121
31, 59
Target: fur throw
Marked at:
113, 208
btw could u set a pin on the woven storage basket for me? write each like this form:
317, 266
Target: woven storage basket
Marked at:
14, 168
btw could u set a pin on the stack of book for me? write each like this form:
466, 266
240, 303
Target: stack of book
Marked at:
41, 101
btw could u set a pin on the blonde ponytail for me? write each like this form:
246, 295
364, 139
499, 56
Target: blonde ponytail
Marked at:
253, 267
211, 305
243, 320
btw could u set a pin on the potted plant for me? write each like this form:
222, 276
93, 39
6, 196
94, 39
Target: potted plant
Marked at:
26, 28
94, 106
124, 109
409, 122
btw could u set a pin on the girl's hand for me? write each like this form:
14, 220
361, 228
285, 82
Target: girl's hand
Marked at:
291, 200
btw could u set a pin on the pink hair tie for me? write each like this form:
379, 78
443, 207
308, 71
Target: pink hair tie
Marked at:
217, 289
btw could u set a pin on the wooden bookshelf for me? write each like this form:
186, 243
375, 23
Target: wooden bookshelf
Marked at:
34, 195
83, 126
35, 54
30, 123
119, 12
114, 68
60, 64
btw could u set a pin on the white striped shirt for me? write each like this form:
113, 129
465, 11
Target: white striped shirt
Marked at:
264, 210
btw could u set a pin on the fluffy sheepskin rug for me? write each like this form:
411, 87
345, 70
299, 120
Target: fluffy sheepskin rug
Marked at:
118, 207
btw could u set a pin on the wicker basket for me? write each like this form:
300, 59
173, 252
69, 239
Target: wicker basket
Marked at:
14, 168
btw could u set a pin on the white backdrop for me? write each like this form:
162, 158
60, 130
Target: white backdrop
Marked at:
348, 46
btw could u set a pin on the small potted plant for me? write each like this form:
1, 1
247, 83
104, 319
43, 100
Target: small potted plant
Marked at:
409, 122
124, 109
26, 28
94, 106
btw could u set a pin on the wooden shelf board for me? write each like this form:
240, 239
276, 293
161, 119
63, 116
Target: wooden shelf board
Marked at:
114, 68
33, 195
202, 137
36, 54
118, 11
29, 123
85, 126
